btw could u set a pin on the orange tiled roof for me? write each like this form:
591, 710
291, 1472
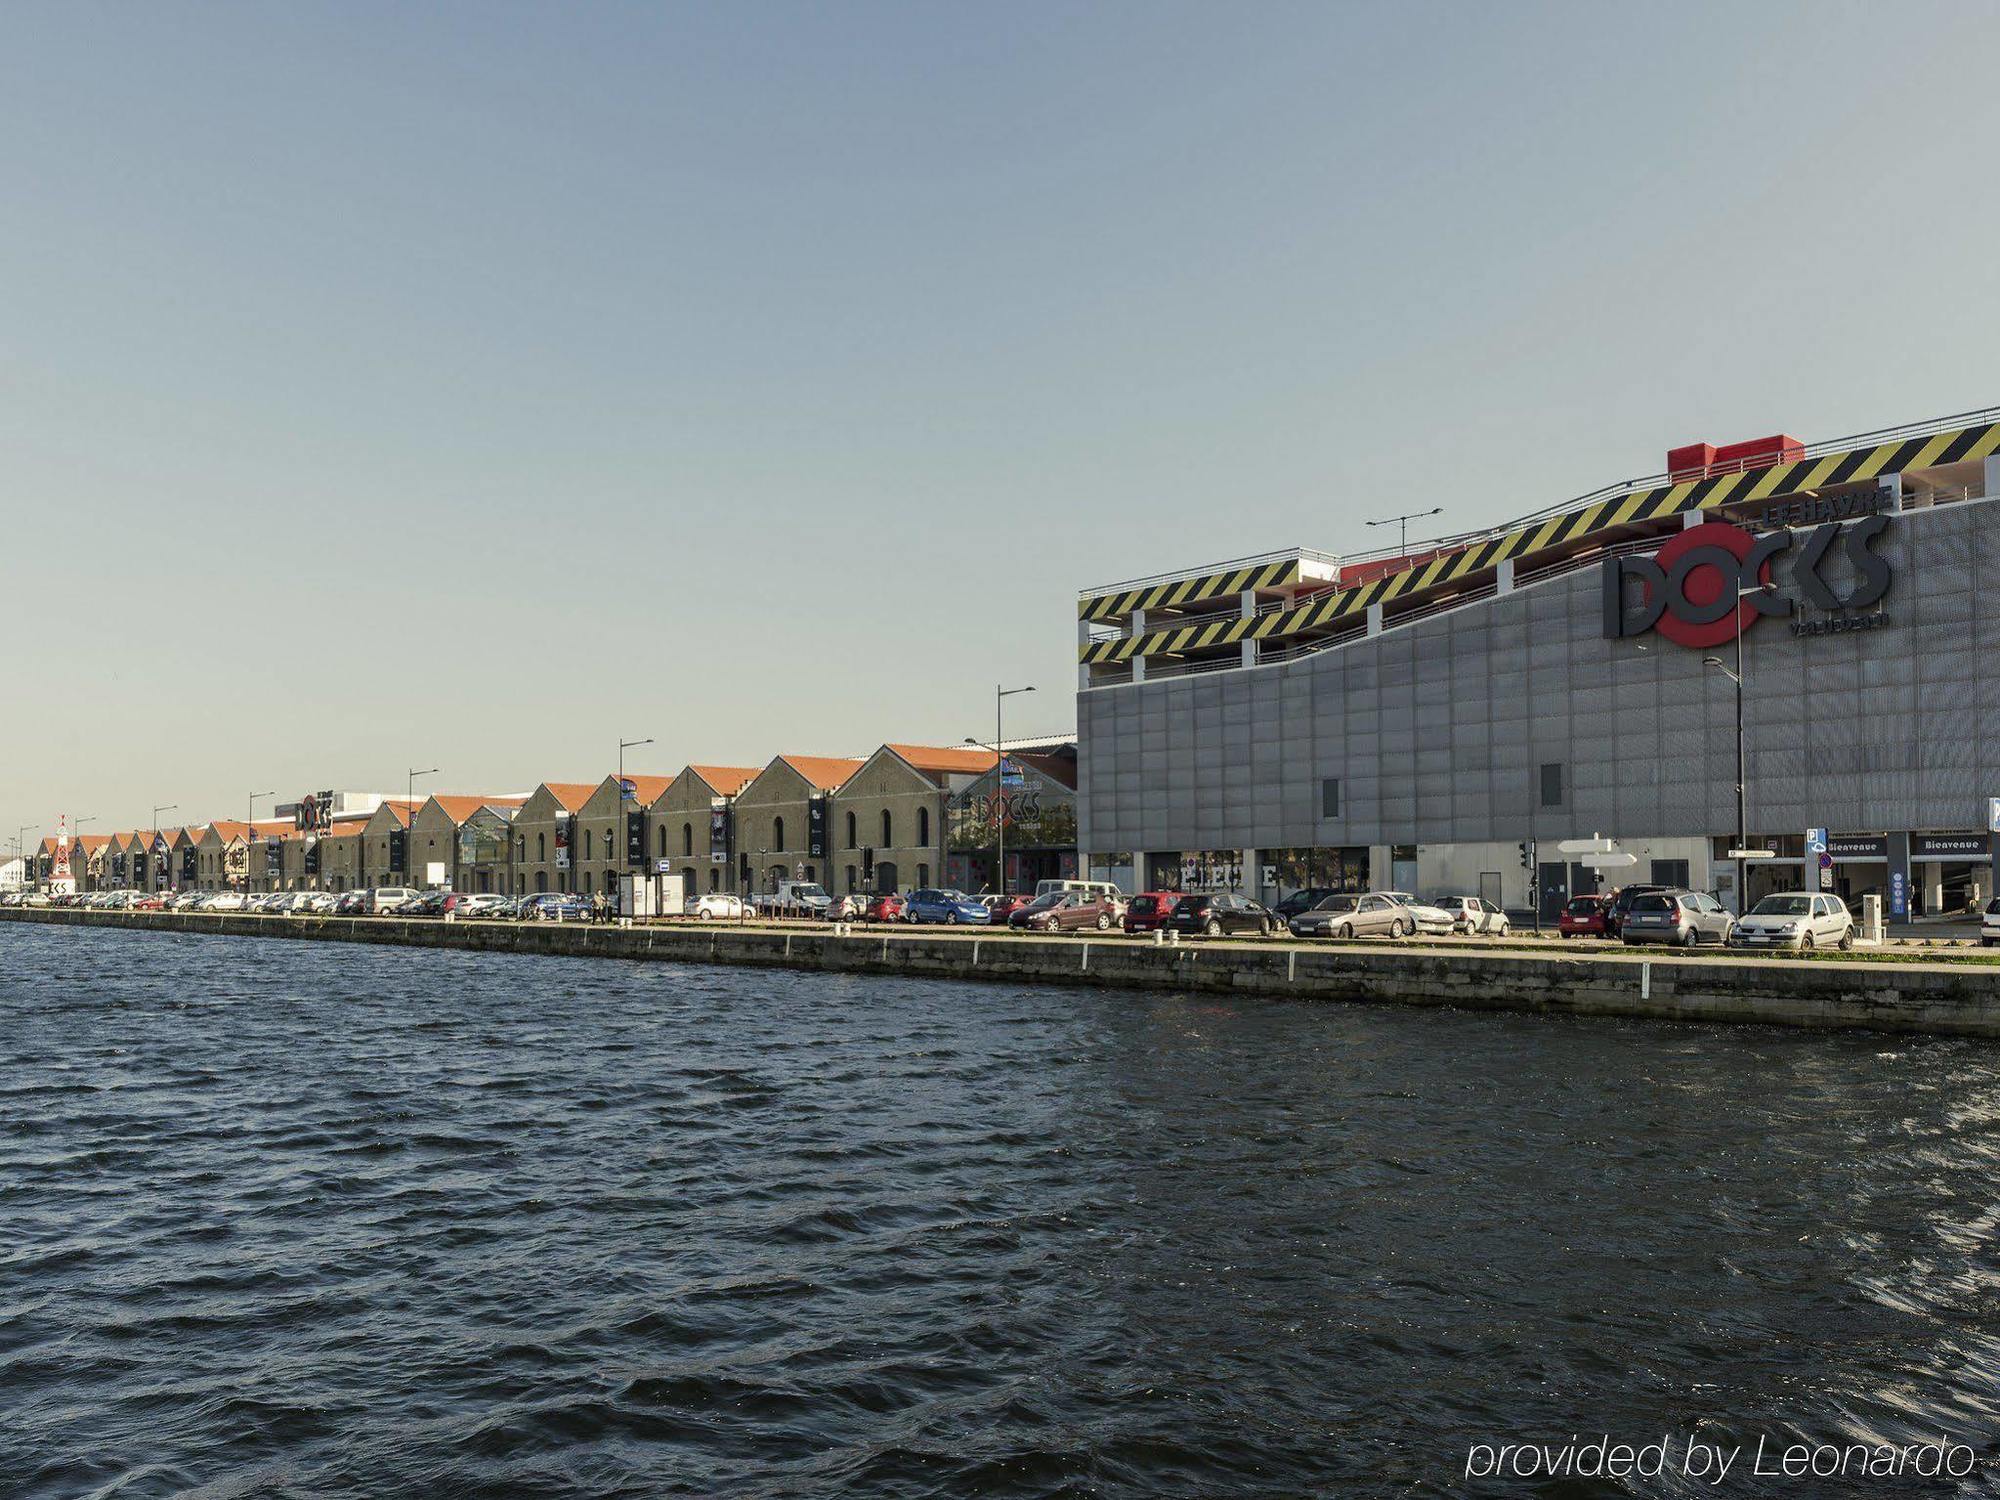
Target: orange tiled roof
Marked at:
727, 780
955, 759
90, 843
458, 809
824, 771
572, 794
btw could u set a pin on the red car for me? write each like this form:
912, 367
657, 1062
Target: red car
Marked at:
886, 908
1583, 917
1003, 907
1150, 910
147, 901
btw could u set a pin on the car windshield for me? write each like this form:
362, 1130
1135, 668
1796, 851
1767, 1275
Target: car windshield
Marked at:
1337, 903
1141, 905
1783, 906
1652, 903
1583, 906
1046, 900
807, 890
1192, 904
1993, 907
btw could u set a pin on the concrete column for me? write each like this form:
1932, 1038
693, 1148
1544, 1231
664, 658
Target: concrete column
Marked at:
1893, 483
1933, 887
1693, 518
1082, 640
1503, 577
1247, 606
1374, 619
1138, 629
1138, 669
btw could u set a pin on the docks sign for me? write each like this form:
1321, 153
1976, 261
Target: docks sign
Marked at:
1714, 580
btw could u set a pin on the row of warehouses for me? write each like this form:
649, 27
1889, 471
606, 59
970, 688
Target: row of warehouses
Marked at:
903, 817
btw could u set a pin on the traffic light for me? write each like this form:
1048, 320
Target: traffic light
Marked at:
1527, 856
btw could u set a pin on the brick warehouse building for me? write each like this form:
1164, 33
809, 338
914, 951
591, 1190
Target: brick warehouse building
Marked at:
1410, 721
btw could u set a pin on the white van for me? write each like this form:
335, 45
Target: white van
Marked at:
1084, 890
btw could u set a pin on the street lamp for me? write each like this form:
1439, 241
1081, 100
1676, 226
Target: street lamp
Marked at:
1403, 524
249, 833
410, 812
1000, 697
623, 746
1742, 772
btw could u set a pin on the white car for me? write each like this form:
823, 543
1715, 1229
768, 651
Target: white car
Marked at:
1434, 920
1796, 919
1474, 915
388, 898
1989, 924
715, 904
225, 901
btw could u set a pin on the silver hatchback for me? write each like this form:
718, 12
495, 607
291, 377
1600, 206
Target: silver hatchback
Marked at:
1681, 918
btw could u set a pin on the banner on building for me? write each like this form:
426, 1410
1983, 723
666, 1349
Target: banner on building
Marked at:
635, 839
718, 835
274, 857
399, 851
816, 820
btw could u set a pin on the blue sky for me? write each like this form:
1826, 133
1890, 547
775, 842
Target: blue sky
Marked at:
473, 385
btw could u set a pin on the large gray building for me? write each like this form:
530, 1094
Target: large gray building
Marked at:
1412, 721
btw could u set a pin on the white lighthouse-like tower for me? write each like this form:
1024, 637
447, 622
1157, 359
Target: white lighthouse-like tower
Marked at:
60, 881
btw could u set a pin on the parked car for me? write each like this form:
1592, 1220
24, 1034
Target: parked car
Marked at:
1150, 910
351, 904
1220, 912
556, 906
323, 903
887, 907
1428, 917
1582, 916
387, 898
1350, 916
1069, 911
1681, 918
226, 901
297, 904
483, 904
1300, 902
1003, 907
1796, 919
186, 901
146, 901
1989, 924
953, 908
848, 908
427, 904
1620, 902
1474, 916
795, 897
713, 905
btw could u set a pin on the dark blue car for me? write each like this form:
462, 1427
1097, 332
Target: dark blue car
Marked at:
952, 907
556, 906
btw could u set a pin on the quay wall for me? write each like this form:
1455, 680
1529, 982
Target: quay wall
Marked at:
1961, 1000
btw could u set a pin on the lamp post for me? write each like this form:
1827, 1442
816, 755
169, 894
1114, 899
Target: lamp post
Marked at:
154, 828
1403, 523
1000, 697
410, 812
250, 833
1742, 763
21, 845
623, 746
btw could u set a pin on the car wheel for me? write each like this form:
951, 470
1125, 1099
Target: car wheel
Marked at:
1346, 931
1104, 921
1500, 931
1404, 930
1211, 928
1806, 943
1847, 940
706, 915
951, 919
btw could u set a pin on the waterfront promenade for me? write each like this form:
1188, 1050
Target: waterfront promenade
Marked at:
1887, 992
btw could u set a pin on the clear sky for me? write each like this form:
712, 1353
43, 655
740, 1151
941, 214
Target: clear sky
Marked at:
471, 385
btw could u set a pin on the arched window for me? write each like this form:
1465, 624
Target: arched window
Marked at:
924, 826
888, 829
923, 876
778, 833
542, 850
586, 843
521, 848
687, 838
850, 829
663, 841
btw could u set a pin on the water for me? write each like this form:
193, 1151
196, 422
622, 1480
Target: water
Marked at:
289, 1219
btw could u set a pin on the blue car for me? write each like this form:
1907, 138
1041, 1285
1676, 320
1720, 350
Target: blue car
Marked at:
556, 906
952, 907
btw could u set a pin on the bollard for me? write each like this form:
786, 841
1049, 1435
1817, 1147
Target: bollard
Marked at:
1159, 938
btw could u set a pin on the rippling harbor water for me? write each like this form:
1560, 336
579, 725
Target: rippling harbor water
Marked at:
303, 1219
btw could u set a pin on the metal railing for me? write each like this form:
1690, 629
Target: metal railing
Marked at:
1617, 490
1286, 554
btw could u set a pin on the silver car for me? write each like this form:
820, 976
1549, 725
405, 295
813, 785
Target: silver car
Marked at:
1797, 919
1473, 914
1680, 918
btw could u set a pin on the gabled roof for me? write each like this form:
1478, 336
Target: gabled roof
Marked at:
90, 843
954, 760
727, 781
825, 772
571, 794
459, 808
647, 790
227, 831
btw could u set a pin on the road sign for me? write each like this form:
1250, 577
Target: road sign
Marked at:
1899, 894
1591, 845
1614, 861
1993, 814
1815, 841
1753, 854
